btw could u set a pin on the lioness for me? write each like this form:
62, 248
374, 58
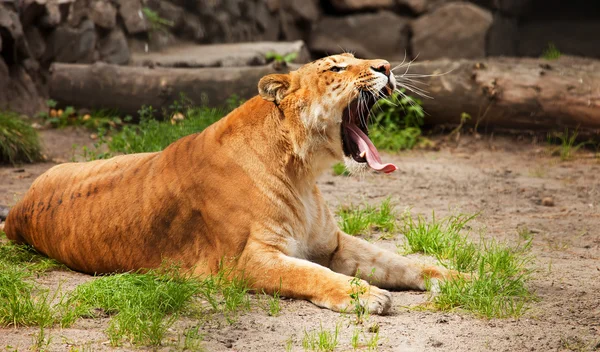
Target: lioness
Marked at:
244, 188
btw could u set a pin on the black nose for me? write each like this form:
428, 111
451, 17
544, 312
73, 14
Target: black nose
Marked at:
382, 68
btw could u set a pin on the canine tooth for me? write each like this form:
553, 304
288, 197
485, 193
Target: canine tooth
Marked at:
363, 154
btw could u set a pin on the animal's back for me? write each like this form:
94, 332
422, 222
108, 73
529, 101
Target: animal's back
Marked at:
96, 197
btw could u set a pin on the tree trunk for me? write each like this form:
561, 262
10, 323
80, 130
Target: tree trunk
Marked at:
127, 88
513, 93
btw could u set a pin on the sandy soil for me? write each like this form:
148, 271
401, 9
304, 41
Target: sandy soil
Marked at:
503, 178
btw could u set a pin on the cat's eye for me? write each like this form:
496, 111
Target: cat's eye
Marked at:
337, 69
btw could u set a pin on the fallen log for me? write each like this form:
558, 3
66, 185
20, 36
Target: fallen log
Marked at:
513, 93
126, 88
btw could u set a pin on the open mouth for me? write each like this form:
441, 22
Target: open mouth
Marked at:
355, 135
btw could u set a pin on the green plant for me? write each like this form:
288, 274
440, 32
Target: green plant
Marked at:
21, 303
524, 233
355, 339
157, 23
568, 146
321, 340
397, 122
339, 169
497, 287
357, 293
41, 340
357, 219
191, 339
281, 59
551, 52
373, 342
26, 257
19, 142
143, 306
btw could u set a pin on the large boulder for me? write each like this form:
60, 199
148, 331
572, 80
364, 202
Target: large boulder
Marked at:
454, 30
72, 45
132, 15
238, 20
183, 23
297, 18
104, 14
113, 48
371, 35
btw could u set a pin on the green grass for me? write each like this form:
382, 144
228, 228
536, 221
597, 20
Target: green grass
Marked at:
339, 169
152, 135
359, 219
22, 303
321, 340
144, 306
397, 123
551, 52
19, 142
24, 256
568, 145
498, 287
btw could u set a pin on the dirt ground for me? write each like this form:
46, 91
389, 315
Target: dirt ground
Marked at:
504, 178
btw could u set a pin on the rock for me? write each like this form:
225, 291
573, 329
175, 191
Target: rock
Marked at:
72, 45
308, 10
503, 36
574, 37
454, 30
52, 16
548, 201
113, 48
220, 55
192, 27
131, 13
336, 34
78, 12
35, 41
13, 36
185, 24
359, 5
238, 21
104, 14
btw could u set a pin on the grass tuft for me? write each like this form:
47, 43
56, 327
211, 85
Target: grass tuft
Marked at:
321, 340
367, 218
25, 256
397, 123
19, 142
181, 119
144, 306
498, 287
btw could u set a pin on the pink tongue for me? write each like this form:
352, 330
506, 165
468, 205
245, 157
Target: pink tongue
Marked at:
366, 146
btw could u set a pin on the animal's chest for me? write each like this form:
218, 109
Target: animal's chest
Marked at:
314, 234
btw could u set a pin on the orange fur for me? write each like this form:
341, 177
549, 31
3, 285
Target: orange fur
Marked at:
242, 189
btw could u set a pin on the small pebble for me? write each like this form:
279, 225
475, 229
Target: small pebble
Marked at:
548, 202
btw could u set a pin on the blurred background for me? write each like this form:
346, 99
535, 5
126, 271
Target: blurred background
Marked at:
34, 34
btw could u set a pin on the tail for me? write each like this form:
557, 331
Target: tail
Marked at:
3, 212
8, 226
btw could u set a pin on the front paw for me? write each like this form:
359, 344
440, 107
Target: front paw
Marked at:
376, 300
